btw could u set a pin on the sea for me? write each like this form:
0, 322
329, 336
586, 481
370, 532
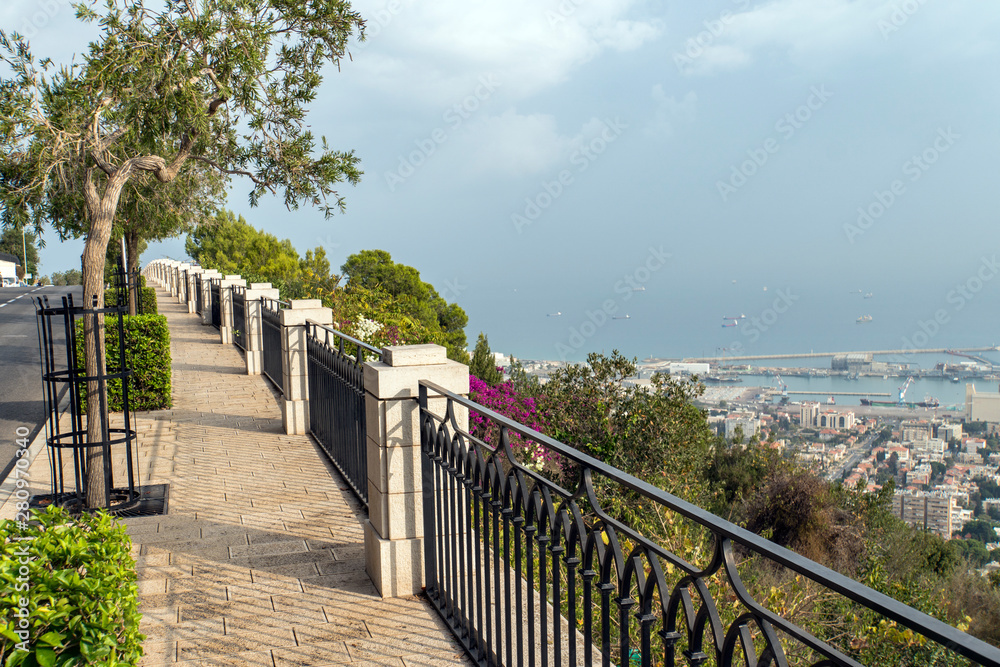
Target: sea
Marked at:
685, 320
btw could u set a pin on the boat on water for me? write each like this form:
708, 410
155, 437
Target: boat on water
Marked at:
864, 318
622, 317
831, 401
555, 314
741, 317
729, 324
722, 379
928, 402
869, 295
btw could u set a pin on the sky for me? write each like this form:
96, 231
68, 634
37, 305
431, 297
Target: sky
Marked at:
674, 162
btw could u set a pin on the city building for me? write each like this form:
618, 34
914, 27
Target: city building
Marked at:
747, 422
929, 448
949, 432
681, 368
857, 363
933, 511
914, 430
808, 413
9, 267
981, 406
838, 420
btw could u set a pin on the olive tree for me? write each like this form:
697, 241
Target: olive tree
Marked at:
167, 87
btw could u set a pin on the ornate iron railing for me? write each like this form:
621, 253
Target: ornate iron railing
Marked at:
337, 400
215, 294
239, 297
273, 361
197, 296
527, 572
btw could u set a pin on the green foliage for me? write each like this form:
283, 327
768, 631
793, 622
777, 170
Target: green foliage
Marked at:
76, 580
147, 353
738, 472
167, 93
446, 322
656, 434
70, 277
483, 364
11, 242
979, 529
147, 299
230, 245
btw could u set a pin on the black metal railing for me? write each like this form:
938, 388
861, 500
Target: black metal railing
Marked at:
527, 572
239, 299
62, 331
197, 296
272, 360
337, 400
215, 294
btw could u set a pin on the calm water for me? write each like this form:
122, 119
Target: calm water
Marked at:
946, 391
682, 316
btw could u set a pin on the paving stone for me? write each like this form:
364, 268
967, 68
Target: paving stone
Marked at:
268, 548
208, 647
332, 653
331, 632
264, 544
241, 659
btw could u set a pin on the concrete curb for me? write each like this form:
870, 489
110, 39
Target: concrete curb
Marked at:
9, 486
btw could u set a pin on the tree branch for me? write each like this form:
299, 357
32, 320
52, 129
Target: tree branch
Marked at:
234, 172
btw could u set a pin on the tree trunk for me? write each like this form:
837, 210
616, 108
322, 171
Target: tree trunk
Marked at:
131, 268
101, 212
94, 255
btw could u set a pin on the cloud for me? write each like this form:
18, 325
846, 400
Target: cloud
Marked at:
810, 32
430, 52
512, 144
669, 112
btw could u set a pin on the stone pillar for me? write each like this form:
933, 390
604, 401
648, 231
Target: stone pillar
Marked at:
254, 336
206, 295
226, 306
182, 283
394, 530
172, 276
295, 402
192, 301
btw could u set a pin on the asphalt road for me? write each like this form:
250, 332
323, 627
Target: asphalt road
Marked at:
21, 405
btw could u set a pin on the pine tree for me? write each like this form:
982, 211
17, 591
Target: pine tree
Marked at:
483, 364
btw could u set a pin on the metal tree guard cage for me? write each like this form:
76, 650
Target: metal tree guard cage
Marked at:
67, 448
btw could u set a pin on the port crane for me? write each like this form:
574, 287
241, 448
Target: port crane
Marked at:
904, 388
782, 387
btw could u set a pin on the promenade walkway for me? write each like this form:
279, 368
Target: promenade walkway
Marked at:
260, 558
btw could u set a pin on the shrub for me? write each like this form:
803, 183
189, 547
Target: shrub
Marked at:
147, 353
77, 591
147, 299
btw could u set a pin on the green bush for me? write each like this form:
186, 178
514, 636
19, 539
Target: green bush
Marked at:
147, 353
147, 299
74, 582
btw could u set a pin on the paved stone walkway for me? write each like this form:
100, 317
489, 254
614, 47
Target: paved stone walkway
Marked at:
260, 558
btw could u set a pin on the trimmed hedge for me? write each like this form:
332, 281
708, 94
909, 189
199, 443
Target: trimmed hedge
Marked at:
68, 591
147, 299
147, 342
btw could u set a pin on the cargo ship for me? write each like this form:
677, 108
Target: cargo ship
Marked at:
928, 402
